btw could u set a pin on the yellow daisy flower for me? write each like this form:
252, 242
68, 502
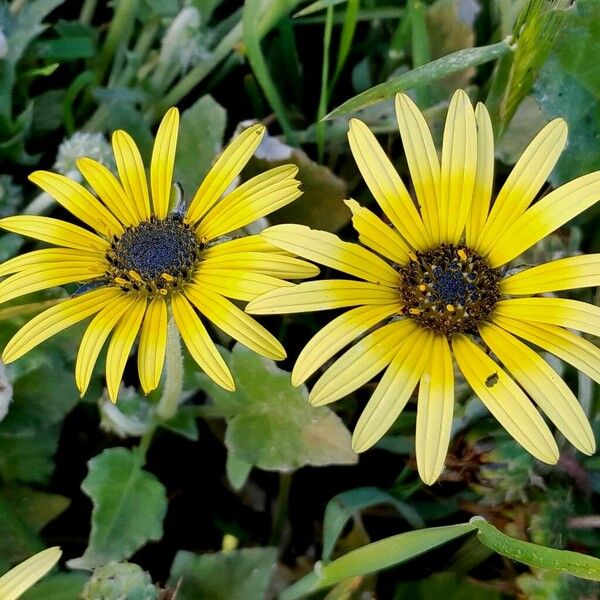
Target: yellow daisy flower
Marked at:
18, 580
145, 262
435, 286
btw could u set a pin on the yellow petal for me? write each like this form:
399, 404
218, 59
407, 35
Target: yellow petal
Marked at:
48, 256
132, 174
46, 276
247, 243
55, 232
484, 177
386, 186
199, 344
327, 249
255, 198
163, 161
553, 311
77, 200
363, 361
563, 274
422, 161
234, 322
524, 182
109, 189
239, 285
23, 576
153, 344
94, 337
120, 345
546, 215
336, 335
393, 391
434, 411
459, 165
571, 348
504, 399
264, 263
321, 295
224, 171
375, 234
543, 384
55, 319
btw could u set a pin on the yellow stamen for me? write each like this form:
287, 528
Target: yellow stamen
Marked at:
167, 277
450, 308
423, 287
462, 254
121, 281
413, 256
162, 292
135, 276
414, 311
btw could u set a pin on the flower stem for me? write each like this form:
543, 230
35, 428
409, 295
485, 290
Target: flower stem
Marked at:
169, 401
281, 508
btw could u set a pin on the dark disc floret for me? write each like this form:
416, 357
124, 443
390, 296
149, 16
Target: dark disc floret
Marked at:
154, 256
449, 289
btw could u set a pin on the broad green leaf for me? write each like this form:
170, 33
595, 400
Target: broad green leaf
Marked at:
569, 87
432, 71
200, 136
238, 471
237, 575
375, 557
62, 586
274, 426
27, 456
129, 507
36, 508
581, 565
22, 29
18, 541
342, 507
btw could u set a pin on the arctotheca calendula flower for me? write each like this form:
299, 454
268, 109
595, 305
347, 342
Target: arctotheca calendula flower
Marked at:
145, 260
436, 289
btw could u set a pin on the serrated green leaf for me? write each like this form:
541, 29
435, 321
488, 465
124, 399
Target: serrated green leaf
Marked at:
375, 557
432, 71
236, 575
581, 565
62, 586
274, 426
200, 136
342, 507
129, 507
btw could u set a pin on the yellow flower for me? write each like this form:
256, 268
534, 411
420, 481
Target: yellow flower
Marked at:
23, 576
145, 261
436, 287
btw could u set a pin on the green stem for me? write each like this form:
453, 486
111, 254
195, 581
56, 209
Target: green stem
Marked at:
281, 507
145, 442
87, 11
324, 99
169, 401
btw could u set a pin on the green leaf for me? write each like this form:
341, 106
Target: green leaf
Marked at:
317, 6
581, 565
251, 35
25, 27
432, 71
449, 586
374, 557
235, 575
341, 508
129, 507
200, 136
274, 426
569, 87
238, 471
62, 586
34, 507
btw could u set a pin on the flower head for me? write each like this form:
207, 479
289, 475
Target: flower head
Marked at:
147, 260
435, 287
